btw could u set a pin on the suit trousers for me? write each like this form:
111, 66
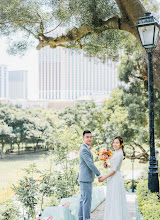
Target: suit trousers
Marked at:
85, 201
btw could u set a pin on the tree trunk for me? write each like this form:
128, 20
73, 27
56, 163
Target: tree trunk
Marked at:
42, 203
132, 10
2, 150
18, 148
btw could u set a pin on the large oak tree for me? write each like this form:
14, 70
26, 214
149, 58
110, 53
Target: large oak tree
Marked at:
98, 26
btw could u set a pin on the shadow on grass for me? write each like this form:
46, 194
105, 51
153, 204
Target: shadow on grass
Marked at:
22, 157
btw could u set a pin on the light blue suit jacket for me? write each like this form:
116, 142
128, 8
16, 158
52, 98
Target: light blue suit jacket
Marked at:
87, 169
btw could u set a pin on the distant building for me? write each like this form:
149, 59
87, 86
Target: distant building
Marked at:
18, 84
3, 81
66, 74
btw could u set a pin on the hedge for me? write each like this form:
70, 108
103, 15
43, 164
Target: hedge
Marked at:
148, 203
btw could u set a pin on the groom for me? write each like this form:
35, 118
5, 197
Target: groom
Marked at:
87, 172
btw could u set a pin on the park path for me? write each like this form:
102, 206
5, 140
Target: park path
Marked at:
99, 212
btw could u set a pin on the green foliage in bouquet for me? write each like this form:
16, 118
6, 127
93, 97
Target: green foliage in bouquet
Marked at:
148, 203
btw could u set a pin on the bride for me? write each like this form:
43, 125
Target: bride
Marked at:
116, 204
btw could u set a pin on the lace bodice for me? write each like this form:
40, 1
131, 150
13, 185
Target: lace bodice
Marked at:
116, 160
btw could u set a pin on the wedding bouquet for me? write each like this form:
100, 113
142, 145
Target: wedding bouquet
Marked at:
105, 154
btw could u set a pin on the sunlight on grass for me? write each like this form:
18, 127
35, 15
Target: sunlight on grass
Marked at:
11, 168
127, 165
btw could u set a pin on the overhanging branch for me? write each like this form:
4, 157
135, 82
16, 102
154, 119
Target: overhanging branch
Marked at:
73, 35
77, 33
19, 21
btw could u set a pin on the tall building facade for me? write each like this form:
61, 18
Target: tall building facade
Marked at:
69, 74
18, 84
3, 81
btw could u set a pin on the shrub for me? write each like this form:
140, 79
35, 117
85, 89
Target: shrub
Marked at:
148, 203
9, 209
27, 193
128, 184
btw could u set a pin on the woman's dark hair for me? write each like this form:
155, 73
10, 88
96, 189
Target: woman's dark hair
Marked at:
121, 143
86, 132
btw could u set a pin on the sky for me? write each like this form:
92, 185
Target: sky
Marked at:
28, 62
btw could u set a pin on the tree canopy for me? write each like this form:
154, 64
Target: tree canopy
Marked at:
99, 27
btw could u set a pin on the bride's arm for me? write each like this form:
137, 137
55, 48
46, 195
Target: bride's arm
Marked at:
116, 164
108, 175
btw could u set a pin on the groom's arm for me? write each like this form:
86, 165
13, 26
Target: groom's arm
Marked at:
88, 160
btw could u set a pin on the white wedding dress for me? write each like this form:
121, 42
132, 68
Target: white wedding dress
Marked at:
116, 203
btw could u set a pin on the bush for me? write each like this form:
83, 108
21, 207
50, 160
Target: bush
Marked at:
128, 184
148, 203
9, 209
27, 193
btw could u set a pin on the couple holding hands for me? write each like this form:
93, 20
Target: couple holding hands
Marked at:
116, 204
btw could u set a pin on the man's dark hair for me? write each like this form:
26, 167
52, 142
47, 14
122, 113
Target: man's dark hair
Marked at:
86, 132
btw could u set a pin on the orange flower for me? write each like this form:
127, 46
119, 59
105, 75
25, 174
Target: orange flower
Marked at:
104, 152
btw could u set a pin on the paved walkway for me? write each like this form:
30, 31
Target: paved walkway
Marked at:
99, 212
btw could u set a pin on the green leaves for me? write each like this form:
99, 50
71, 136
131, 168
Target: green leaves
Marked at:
9, 209
148, 203
27, 194
5, 134
46, 187
27, 126
31, 169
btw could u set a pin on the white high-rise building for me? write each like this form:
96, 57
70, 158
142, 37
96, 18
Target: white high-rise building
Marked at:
18, 84
69, 74
3, 81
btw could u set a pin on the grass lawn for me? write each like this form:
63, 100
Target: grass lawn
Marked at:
127, 165
11, 165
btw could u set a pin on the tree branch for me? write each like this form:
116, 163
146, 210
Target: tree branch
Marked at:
54, 28
41, 23
77, 33
30, 32
144, 151
134, 151
119, 24
141, 156
73, 35
23, 21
